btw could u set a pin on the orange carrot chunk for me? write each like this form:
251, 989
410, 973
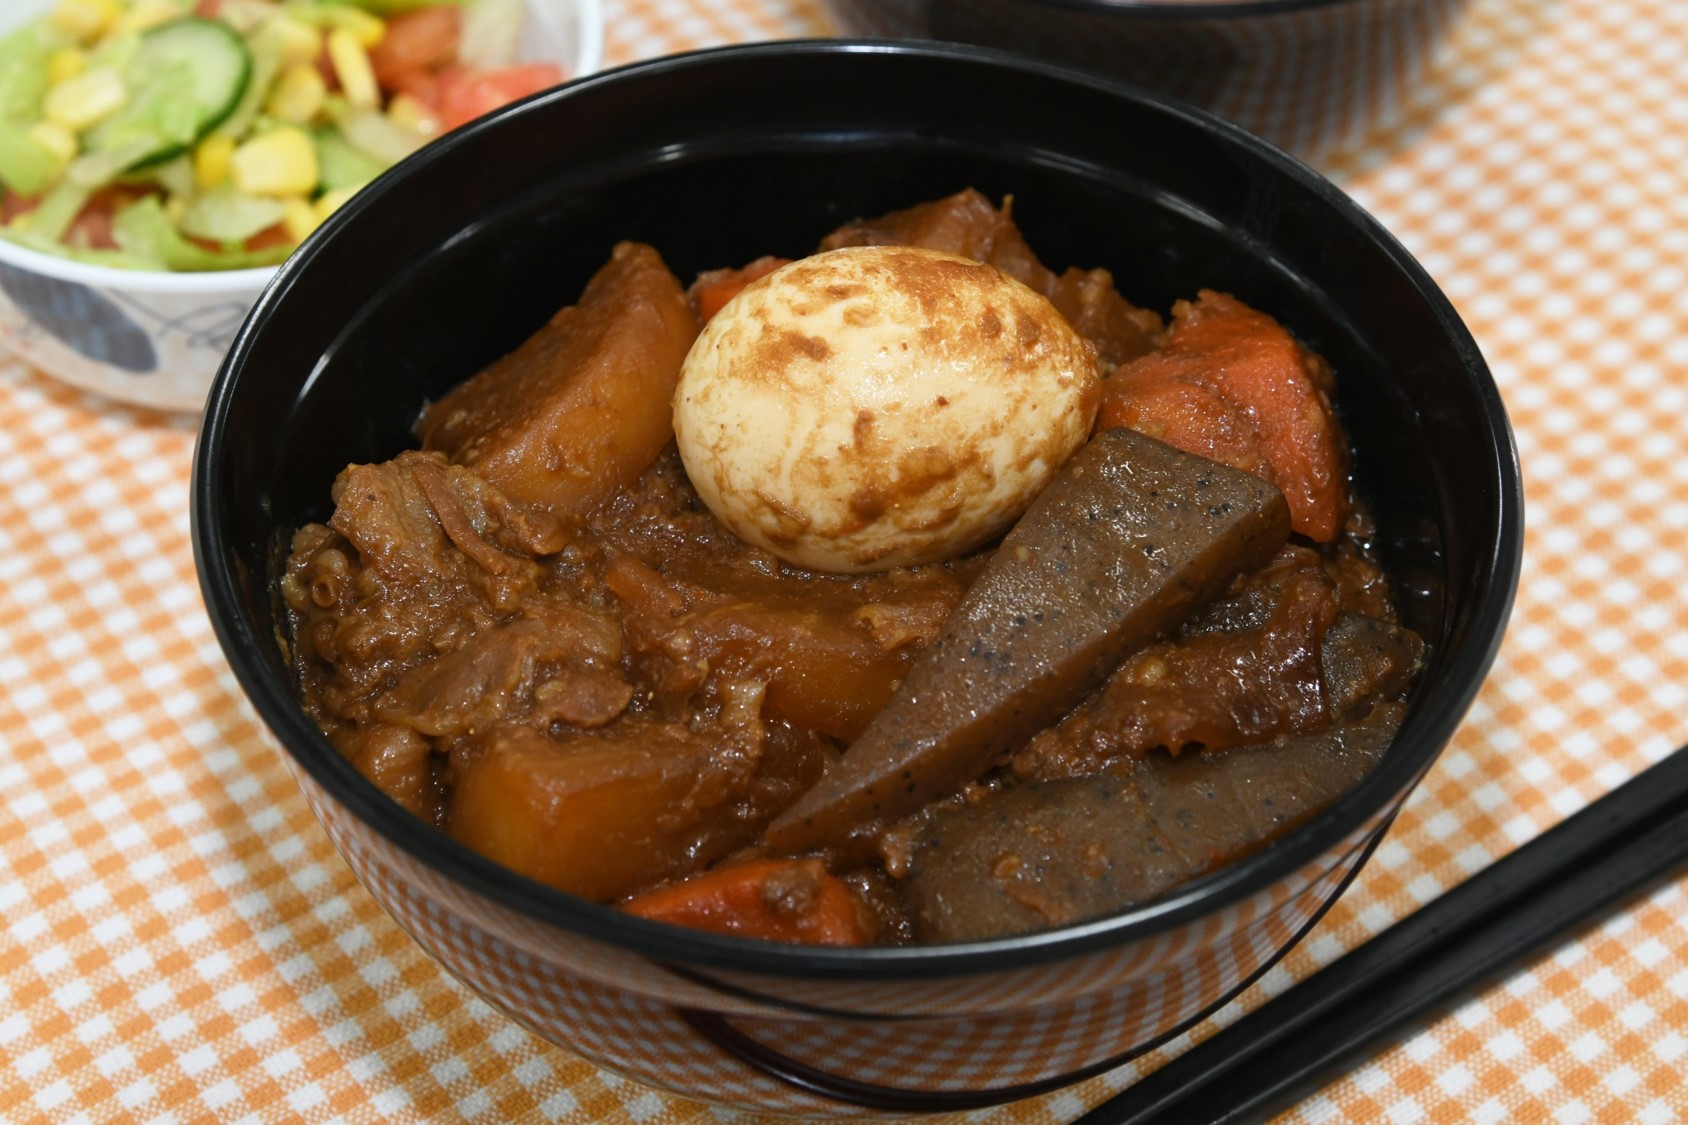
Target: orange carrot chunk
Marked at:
772, 899
715, 288
1233, 386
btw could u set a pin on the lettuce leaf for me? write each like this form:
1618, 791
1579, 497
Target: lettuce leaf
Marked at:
23, 71
26, 165
143, 230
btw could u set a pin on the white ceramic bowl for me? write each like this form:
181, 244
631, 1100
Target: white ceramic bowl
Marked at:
156, 339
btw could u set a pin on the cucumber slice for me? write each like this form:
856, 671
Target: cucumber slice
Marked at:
217, 56
185, 77
143, 231
23, 73
226, 215
266, 49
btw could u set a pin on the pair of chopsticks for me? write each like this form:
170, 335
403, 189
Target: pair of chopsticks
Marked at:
1522, 904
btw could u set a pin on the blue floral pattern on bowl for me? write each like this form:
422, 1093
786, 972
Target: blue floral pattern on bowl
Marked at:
83, 318
144, 343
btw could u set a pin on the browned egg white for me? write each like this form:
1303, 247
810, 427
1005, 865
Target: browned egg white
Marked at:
883, 406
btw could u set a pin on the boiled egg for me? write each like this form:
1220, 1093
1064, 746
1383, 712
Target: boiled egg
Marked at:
881, 406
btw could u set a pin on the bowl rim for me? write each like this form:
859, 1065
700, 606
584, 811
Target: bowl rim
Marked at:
1180, 10
207, 282
1430, 725
588, 60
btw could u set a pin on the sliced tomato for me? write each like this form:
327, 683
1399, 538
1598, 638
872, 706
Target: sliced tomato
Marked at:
467, 93
423, 40
12, 205
270, 236
92, 227
423, 85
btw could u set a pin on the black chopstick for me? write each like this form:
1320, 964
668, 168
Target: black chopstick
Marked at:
1523, 903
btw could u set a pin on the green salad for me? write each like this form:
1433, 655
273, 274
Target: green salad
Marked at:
217, 134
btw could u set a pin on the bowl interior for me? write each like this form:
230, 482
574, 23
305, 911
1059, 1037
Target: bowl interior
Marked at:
720, 157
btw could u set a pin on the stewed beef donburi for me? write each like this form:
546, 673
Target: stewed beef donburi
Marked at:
532, 633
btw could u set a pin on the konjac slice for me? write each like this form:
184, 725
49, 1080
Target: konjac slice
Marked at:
581, 408
1365, 660
1126, 541
1059, 851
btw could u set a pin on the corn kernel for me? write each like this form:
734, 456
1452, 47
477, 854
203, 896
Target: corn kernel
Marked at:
89, 98
299, 217
351, 66
84, 20
367, 28
211, 161
281, 162
331, 201
56, 139
413, 114
64, 64
175, 207
298, 95
146, 14
300, 42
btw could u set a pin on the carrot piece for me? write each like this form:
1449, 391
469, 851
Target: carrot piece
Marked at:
1232, 385
772, 899
715, 288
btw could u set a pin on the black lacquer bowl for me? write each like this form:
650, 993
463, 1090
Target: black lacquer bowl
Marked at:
1308, 75
715, 158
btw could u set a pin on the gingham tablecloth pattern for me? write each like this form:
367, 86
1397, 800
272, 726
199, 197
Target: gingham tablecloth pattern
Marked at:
179, 942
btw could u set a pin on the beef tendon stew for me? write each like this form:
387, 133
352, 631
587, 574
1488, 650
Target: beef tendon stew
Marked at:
906, 592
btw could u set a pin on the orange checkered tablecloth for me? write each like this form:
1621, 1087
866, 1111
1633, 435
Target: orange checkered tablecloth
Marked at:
178, 941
